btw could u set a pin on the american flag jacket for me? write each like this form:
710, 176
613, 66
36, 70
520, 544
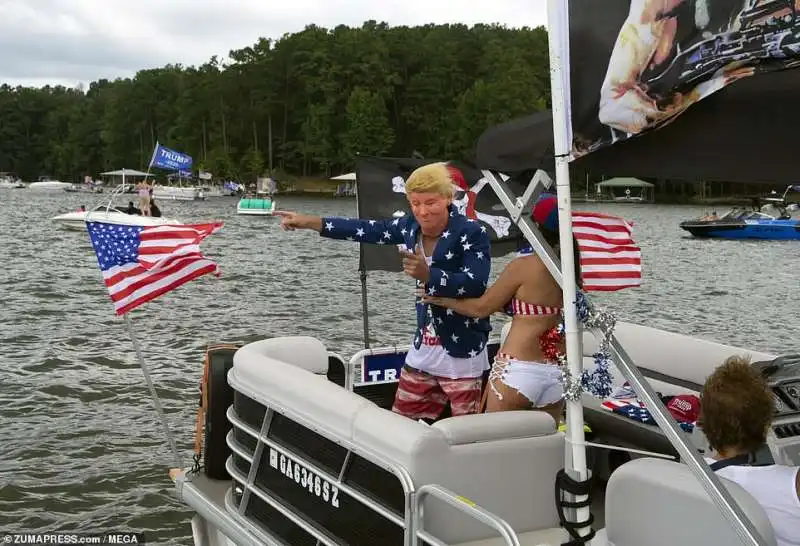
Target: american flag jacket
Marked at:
459, 268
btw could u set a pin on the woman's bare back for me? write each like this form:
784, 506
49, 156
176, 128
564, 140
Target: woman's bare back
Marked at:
538, 288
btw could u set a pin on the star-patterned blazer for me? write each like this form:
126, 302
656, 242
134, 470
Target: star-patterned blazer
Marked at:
459, 268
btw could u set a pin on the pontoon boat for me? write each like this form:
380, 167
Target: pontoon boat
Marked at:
298, 452
260, 205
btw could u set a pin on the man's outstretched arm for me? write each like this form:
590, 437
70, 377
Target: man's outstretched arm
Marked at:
350, 229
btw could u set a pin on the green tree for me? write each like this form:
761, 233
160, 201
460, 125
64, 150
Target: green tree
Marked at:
368, 131
304, 104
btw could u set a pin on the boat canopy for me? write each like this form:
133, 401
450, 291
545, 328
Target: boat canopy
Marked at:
624, 182
124, 172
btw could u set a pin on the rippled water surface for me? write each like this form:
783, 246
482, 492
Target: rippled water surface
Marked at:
80, 447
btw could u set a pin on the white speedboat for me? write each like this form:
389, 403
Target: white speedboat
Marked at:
47, 183
84, 188
112, 215
178, 193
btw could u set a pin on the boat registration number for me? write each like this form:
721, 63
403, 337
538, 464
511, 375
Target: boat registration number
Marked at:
305, 478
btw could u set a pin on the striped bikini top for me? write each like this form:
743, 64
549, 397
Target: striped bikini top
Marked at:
519, 307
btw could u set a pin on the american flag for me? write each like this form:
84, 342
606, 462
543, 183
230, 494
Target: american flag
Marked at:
610, 260
141, 263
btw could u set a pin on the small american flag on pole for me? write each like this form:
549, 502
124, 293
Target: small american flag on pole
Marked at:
610, 260
141, 263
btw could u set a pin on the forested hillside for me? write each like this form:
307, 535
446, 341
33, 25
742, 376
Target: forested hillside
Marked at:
319, 96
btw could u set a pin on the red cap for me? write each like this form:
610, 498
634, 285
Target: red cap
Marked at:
545, 212
685, 408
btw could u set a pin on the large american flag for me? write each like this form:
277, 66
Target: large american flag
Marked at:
610, 260
141, 263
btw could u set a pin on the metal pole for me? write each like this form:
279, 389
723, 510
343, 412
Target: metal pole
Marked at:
558, 27
559, 65
156, 402
364, 305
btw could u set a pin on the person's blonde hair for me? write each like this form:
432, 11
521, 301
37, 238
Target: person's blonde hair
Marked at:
431, 178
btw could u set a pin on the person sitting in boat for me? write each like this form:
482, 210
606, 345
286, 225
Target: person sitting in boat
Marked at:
736, 412
155, 212
131, 209
525, 374
448, 255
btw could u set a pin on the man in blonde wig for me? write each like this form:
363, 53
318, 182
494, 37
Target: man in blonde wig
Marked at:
449, 255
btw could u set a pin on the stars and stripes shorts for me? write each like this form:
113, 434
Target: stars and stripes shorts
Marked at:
421, 395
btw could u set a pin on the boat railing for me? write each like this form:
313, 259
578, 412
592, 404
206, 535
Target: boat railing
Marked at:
516, 207
267, 447
462, 504
255, 445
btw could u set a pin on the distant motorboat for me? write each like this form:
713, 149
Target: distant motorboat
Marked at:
9, 182
744, 225
84, 188
178, 193
777, 219
48, 183
256, 206
110, 215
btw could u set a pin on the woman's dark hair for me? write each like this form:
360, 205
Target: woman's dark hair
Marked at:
552, 239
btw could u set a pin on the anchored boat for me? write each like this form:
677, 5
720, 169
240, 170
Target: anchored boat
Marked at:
299, 446
774, 218
255, 206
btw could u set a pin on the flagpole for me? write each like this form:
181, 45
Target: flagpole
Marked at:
150, 165
558, 39
156, 402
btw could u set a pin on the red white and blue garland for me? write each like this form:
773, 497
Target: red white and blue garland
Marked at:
597, 382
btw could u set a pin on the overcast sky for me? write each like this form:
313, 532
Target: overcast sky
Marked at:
77, 41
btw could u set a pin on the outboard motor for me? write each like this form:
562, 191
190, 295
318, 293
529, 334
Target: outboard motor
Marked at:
216, 396
783, 376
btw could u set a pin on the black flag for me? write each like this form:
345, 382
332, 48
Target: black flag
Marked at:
381, 194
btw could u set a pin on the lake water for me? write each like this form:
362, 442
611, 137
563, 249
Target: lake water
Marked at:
80, 447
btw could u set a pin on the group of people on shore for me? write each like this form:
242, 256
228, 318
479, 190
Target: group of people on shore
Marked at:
449, 256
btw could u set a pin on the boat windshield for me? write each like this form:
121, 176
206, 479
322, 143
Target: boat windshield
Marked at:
103, 208
757, 216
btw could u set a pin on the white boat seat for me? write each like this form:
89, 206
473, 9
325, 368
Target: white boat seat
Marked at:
688, 358
304, 352
505, 462
661, 503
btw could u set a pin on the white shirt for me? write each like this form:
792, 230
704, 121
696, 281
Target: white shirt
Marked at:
774, 487
432, 358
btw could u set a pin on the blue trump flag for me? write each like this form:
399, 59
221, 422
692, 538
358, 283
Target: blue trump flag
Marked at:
166, 158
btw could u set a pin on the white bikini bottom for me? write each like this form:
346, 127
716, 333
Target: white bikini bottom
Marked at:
539, 382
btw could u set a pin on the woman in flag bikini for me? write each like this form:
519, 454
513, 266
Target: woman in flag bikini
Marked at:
143, 190
525, 374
